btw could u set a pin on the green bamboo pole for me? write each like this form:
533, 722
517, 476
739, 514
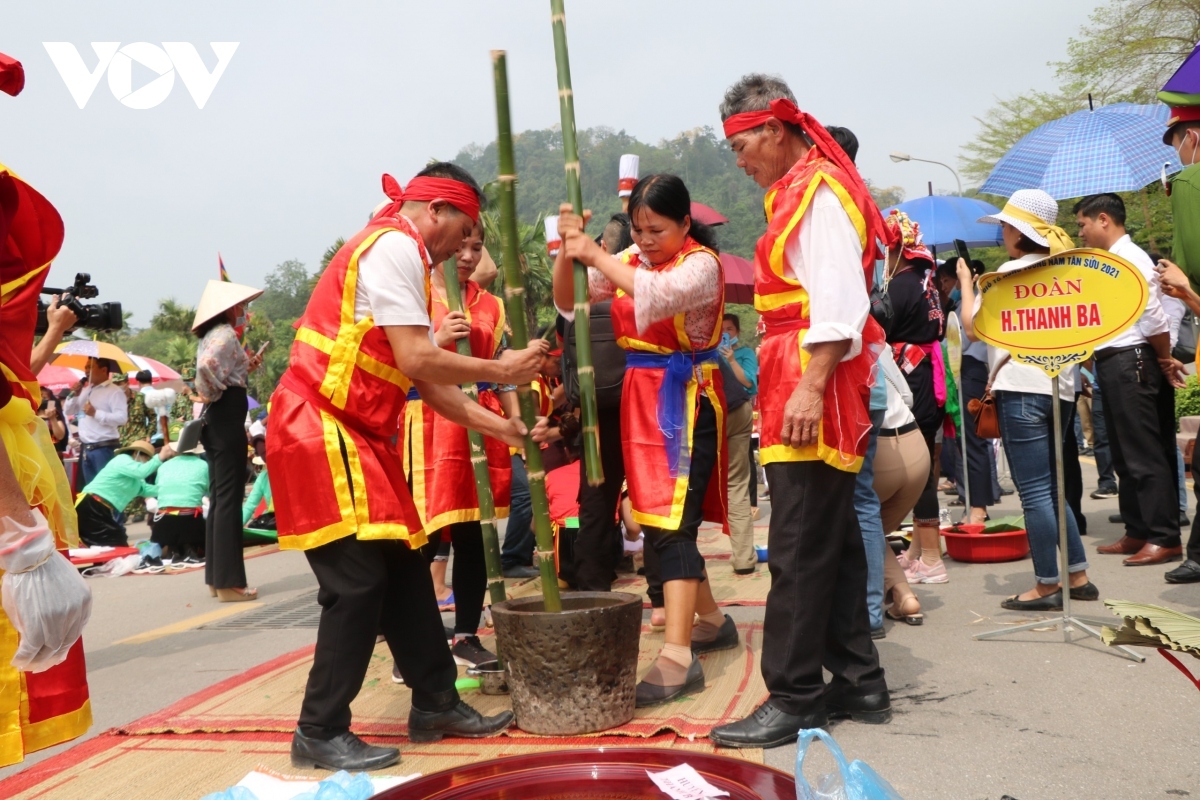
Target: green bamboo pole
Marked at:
583, 312
479, 462
514, 298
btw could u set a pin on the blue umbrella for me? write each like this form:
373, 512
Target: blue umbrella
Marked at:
1115, 148
944, 218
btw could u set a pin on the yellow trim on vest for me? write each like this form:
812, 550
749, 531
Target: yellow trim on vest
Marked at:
340, 530
343, 356
16, 283
414, 455
852, 211
12, 690
782, 453
447, 518
679, 497
770, 302
56, 730
366, 363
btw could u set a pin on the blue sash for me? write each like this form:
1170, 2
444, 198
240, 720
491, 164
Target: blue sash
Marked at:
414, 395
672, 395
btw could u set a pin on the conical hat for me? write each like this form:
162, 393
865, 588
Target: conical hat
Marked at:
219, 297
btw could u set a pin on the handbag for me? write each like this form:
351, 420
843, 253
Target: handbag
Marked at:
987, 420
881, 305
189, 434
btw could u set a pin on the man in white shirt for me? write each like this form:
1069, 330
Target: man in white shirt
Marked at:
101, 409
1136, 374
811, 286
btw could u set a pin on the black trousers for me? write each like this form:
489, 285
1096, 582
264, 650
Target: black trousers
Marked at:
98, 526
598, 546
676, 556
979, 455
753, 473
470, 572
1193, 544
359, 580
816, 613
1072, 472
180, 532
1139, 410
224, 438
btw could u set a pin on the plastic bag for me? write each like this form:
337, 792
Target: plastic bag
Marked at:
341, 786
232, 793
43, 595
853, 781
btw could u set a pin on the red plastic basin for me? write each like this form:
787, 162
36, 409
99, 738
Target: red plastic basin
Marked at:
984, 548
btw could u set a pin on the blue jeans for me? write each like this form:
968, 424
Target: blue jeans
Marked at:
1183, 498
95, 460
1104, 463
1027, 430
866, 508
518, 534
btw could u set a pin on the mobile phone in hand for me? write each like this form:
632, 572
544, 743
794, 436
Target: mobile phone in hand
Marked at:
963, 252
264, 347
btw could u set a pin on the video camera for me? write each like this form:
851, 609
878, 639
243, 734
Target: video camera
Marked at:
95, 317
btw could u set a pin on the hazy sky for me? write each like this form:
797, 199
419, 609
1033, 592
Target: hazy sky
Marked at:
321, 98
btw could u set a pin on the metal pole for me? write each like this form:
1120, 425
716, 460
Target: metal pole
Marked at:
1083, 625
962, 435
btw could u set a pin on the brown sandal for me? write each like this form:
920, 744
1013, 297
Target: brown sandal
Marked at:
237, 595
895, 612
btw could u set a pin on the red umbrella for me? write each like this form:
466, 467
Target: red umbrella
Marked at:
58, 378
739, 279
158, 371
707, 214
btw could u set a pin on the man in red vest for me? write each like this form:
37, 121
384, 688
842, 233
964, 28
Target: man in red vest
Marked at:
337, 477
812, 269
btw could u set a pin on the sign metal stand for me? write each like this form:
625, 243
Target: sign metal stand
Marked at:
1051, 315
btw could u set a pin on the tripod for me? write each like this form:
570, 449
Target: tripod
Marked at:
1066, 619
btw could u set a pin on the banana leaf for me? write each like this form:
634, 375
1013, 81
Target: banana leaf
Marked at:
1005, 525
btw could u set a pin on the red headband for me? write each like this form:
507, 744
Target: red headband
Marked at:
456, 193
786, 111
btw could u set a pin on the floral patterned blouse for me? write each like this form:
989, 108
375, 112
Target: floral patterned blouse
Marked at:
220, 363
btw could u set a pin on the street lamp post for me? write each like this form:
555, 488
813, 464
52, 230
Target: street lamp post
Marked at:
898, 157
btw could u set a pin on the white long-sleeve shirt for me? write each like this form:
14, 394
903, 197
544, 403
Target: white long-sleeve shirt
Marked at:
112, 411
1153, 320
824, 254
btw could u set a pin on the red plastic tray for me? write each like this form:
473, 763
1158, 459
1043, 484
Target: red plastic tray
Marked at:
116, 552
594, 774
985, 548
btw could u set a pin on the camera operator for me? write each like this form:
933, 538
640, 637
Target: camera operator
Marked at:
60, 319
104, 409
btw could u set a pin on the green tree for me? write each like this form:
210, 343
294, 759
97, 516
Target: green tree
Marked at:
173, 317
286, 291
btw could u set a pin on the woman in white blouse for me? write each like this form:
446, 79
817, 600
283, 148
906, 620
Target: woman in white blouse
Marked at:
1025, 411
222, 367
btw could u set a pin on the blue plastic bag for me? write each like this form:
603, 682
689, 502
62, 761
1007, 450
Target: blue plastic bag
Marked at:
342, 786
853, 781
232, 793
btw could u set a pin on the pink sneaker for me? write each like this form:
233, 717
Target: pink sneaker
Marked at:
905, 564
920, 572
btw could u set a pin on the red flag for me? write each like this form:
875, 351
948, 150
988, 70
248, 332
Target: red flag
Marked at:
12, 75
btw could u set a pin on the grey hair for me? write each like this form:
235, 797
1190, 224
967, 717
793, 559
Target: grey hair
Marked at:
754, 92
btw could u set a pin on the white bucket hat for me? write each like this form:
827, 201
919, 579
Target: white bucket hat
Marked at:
219, 297
1032, 202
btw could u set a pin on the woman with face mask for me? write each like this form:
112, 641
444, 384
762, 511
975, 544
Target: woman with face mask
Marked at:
222, 367
668, 298
437, 455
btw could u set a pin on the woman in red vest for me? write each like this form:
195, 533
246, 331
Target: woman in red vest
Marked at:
437, 455
668, 295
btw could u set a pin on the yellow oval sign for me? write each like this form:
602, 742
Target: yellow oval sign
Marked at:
954, 346
1054, 313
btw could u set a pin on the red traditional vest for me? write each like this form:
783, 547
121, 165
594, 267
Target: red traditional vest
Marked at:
349, 365
784, 305
656, 496
436, 451
334, 467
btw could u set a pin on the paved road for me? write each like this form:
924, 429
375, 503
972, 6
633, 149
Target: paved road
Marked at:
1027, 716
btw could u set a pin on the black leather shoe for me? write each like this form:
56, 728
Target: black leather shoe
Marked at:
521, 572
878, 633
1116, 519
1086, 592
768, 726
462, 721
746, 571
1051, 602
344, 751
1187, 572
871, 709
727, 639
651, 694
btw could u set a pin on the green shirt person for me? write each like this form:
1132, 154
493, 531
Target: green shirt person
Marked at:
260, 492
124, 478
1183, 134
182, 482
